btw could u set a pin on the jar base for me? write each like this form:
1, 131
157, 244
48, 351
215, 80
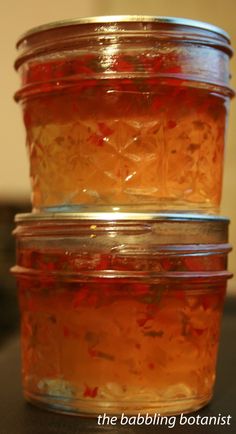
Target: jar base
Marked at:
78, 407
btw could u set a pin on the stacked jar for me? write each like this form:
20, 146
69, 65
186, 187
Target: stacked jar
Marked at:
122, 265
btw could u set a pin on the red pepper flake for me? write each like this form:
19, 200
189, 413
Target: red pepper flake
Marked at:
141, 288
66, 332
74, 107
157, 103
199, 332
214, 157
166, 264
47, 281
204, 107
180, 295
157, 64
32, 304
104, 262
196, 331
79, 67
47, 71
174, 69
146, 61
48, 266
90, 392
88, 84
171, 124
206, 301
35, 73
92, 352
104, 129
129, 82
79, 298
116, 85
142, 321
151, 365
92, 300
138, 346
195, 263
96, 139
89, 57
123, 65
58, 70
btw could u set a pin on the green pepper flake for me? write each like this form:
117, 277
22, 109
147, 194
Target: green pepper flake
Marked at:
81, 68
105, 356
48, 259
154, 333
100, 354
148, 299
92, 338
185, 324
142, 86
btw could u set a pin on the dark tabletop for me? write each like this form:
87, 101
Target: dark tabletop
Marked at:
17, 417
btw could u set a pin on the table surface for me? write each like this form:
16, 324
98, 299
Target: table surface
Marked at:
17, 417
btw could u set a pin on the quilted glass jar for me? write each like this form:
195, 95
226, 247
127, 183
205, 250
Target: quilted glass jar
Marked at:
125, 111
120, 313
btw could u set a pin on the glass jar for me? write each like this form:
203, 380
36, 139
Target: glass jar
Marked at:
125, 111
120, 313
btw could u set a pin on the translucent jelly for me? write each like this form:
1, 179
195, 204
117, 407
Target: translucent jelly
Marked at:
104, 146
112, 327
130, 115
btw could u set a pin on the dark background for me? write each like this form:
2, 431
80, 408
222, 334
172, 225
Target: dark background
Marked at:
9, 316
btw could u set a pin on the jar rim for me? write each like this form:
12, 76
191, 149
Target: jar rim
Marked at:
106, 19
53, 217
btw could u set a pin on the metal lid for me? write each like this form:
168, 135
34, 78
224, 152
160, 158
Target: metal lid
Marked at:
124, 228
125, 19
118, 216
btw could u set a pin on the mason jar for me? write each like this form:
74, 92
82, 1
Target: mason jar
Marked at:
120, 312
127, 112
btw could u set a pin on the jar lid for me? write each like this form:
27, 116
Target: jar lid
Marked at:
173, 21
119, 216
128, 239
161, 228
